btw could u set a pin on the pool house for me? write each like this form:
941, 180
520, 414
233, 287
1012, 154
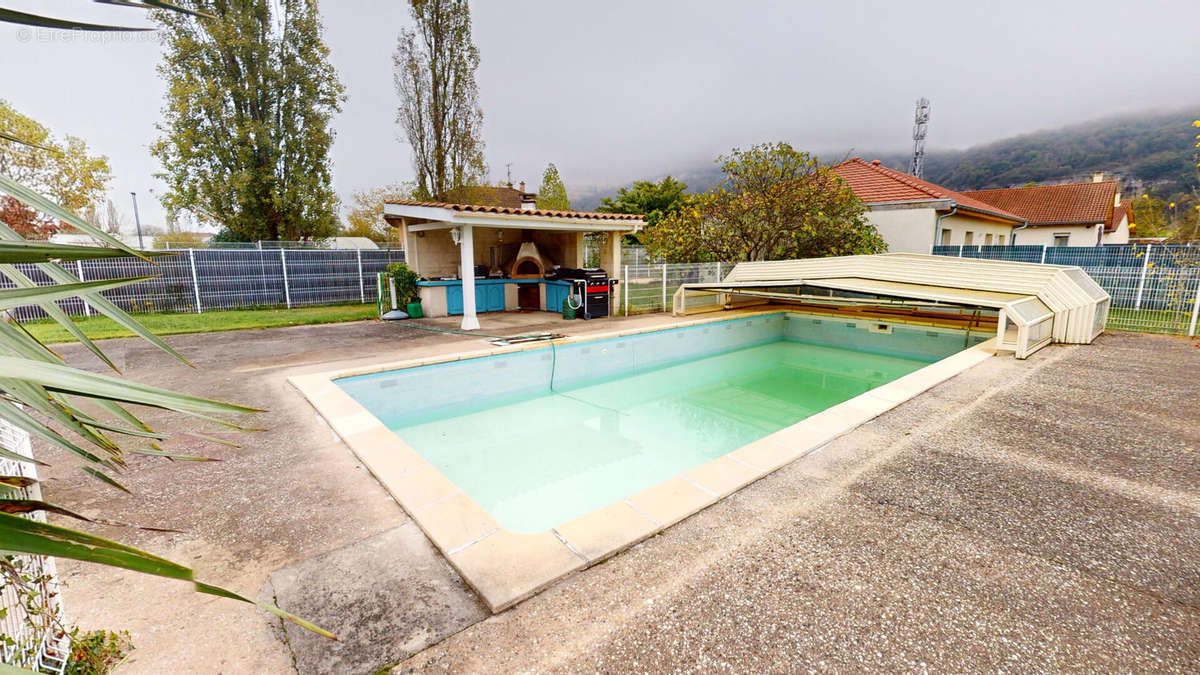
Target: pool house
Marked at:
476, 259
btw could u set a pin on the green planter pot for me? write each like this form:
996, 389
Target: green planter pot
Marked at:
414, 310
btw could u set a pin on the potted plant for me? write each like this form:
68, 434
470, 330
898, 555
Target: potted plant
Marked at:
407, 294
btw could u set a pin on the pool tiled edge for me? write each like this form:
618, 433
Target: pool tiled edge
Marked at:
506, 567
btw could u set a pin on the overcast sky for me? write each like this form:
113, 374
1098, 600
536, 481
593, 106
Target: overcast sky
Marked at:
613, 90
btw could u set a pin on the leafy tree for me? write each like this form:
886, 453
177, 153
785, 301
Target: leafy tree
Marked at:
434, 72
178, 239
653, 200
774, 203
1149, 214
552, 194
246, 124
366, 216
63, 169
112, 219
25, 221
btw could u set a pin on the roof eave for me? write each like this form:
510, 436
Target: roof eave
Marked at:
999, 216
436, 217
934, 203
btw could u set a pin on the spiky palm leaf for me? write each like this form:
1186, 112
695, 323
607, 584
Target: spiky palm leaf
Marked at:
40, 394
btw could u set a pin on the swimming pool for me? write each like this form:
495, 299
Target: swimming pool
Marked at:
541, 437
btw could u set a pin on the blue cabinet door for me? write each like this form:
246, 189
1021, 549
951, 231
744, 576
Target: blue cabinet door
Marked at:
454, 299
555, 294
492, 299
488, 298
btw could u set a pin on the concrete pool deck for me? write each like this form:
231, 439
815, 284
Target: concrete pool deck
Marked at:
1022, 515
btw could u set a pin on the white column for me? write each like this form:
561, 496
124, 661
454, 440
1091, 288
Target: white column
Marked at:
467, 262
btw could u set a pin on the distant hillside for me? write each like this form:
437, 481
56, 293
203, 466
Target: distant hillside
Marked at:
1150, 149
1146, 149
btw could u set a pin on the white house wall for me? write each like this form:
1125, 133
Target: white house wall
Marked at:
1079, 235
906, 230
911, 230
960, 224
1120, 235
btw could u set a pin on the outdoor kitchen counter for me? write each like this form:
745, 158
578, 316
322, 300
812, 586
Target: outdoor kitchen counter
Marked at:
445, 298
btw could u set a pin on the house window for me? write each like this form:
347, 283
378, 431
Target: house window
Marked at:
999, 240
968, 238
987, 239
945, 237
1062, 239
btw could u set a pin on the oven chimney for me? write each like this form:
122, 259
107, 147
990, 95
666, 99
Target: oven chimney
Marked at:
528, 199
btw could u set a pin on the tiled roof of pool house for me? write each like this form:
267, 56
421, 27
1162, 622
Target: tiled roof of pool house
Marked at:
522, 211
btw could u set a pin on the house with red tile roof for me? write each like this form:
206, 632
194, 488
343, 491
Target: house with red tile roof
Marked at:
912, 215
1072, 214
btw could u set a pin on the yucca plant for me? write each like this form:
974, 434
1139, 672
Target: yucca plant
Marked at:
84, 413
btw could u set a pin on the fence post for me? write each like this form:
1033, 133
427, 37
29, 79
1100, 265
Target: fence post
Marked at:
1195, 310
362, 290
626, 285
960, 250
195, 279
87, 309
719, 272
1043, 254
287, 290
1137, 301
664, 288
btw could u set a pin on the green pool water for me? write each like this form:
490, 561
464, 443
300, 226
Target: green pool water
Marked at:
542, 461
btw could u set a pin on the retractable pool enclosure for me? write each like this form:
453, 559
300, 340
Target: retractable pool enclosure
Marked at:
1030, 305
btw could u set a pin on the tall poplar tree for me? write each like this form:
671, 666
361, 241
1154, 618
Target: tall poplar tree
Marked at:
246, 123
552, 194
439, 109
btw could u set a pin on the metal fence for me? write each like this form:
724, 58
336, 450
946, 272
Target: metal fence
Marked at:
636, 255
31, 625
322, 244
649, 288
1155, 288
202, 280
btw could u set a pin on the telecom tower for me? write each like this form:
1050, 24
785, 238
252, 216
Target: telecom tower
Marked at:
917, 166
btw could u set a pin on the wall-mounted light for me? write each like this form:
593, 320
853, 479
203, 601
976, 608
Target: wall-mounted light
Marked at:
499, 236
456, 235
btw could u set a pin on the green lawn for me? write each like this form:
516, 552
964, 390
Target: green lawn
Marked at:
100, 327
1150, 320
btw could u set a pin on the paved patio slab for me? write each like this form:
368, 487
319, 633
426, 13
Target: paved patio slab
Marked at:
390, 595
